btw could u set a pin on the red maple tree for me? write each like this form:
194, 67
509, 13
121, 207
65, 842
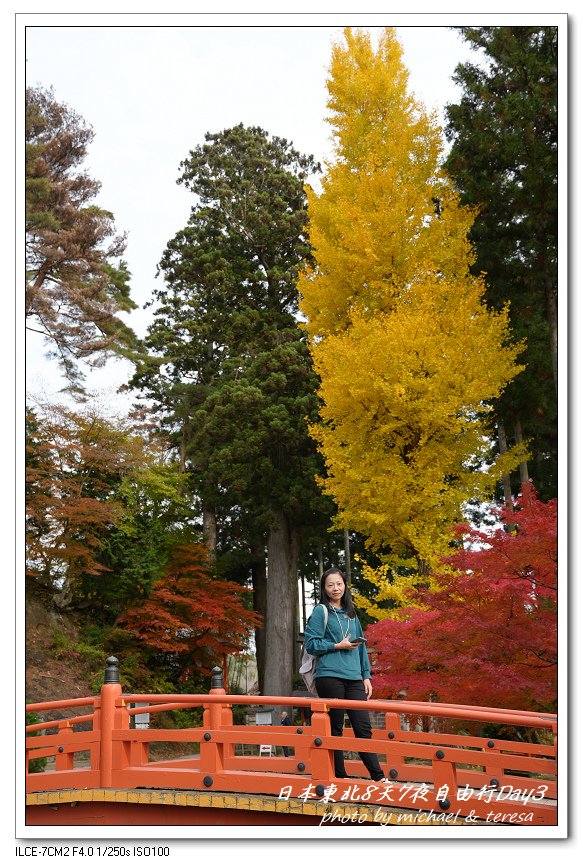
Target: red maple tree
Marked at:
191, 616
488, 635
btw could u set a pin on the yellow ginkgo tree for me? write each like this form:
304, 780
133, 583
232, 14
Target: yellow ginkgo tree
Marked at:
408, 355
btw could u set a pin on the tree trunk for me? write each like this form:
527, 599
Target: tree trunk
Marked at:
295, 630
282, 602
347, 556
32, 291
259, 579
182, 457
317, 579
320, 560
209, 531
503, 449
552, 318
518, 439
423, 570
508, 527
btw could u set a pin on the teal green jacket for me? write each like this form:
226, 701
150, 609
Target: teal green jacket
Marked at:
340, 663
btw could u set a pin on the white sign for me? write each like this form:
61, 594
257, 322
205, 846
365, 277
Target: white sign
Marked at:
142, 721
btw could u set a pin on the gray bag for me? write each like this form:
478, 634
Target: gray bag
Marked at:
308, 663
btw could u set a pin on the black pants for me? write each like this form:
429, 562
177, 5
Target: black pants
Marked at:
348, 689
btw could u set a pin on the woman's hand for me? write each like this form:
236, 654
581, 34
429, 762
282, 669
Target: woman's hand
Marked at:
367, 688
346, 644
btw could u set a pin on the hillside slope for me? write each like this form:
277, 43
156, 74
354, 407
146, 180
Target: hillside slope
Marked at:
52, 671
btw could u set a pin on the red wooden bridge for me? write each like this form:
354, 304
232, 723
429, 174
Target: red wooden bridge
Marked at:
435, 777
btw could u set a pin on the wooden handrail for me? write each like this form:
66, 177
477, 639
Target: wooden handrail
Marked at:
63, 704
469, 713
61, 722
175, 701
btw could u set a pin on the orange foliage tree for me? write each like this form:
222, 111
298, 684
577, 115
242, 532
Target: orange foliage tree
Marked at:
74, 463
191, 618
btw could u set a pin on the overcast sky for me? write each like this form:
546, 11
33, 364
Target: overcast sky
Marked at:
152, 92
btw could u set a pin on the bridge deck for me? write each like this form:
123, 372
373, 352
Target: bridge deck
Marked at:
72, 807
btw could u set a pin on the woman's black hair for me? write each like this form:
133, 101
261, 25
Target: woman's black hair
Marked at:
346, 599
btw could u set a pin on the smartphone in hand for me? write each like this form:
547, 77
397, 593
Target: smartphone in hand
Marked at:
357, 640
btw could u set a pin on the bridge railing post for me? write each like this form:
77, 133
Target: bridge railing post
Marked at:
395, 765
492, 766
212, 753
445, 777
321, 757
226, 710
108, 721
65, 759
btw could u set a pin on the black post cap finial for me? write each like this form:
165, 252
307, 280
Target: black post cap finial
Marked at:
111, 671
217, 678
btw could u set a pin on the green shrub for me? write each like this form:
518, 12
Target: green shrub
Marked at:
38, 764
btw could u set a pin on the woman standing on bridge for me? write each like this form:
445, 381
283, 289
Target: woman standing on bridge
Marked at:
343, 670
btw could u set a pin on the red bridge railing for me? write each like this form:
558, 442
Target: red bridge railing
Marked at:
470, 775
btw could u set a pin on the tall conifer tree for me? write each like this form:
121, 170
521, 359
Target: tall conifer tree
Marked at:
76, 282
232, 369
504, 159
